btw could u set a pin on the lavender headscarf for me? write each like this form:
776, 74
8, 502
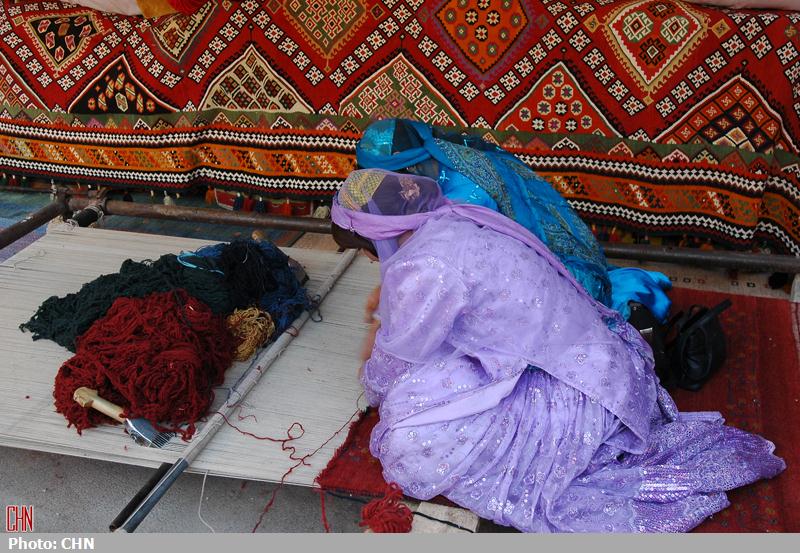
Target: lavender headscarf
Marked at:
378, 197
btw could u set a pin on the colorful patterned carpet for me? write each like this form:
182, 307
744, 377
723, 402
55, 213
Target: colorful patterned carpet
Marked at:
758, 389
652, 116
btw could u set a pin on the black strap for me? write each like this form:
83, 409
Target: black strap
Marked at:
716, 310
682, 319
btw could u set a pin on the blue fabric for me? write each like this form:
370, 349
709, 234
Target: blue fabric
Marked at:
470, 170
646, 287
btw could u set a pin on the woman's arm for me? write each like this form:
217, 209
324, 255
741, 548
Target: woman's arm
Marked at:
373, 301
420, 300
369, 344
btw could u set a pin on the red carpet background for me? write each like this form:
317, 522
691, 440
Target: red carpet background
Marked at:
758, 390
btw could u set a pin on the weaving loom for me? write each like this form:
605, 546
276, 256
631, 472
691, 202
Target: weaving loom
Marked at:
312, 383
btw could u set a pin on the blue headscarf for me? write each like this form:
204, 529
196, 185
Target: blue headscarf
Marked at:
470, 170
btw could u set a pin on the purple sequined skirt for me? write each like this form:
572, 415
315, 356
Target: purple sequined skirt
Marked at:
543, 461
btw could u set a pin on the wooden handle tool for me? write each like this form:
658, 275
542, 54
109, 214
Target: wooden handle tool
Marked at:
86, 397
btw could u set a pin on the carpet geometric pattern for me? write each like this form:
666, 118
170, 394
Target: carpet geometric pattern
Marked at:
655, 116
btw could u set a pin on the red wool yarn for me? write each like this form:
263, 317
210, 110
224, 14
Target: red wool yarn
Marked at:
159, 357
388, 514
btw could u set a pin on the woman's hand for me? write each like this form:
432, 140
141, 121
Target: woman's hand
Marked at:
369, 343
372, 305
369, 317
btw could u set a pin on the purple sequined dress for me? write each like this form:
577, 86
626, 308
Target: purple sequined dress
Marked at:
506, 389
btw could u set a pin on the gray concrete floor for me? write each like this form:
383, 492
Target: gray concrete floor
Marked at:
72, 494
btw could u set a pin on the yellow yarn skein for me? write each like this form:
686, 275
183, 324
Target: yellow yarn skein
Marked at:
253, 327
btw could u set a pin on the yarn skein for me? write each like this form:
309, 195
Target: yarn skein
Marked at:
258, 273
159, 357
253, 327
388, 514
62, 320
241, 274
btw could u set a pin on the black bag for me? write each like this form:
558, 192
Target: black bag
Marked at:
698, 348
643, 320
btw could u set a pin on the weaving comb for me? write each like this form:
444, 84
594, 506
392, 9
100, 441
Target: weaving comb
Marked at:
140, 430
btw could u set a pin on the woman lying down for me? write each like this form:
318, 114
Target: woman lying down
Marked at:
505, 387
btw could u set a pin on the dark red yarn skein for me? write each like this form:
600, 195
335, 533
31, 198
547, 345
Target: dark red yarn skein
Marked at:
388, 514
159, 357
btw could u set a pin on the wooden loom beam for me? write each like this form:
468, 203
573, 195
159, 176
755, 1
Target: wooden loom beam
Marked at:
204, 215
638, 252
38, 218
664, 254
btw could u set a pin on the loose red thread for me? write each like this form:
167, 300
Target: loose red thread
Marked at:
292, 456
